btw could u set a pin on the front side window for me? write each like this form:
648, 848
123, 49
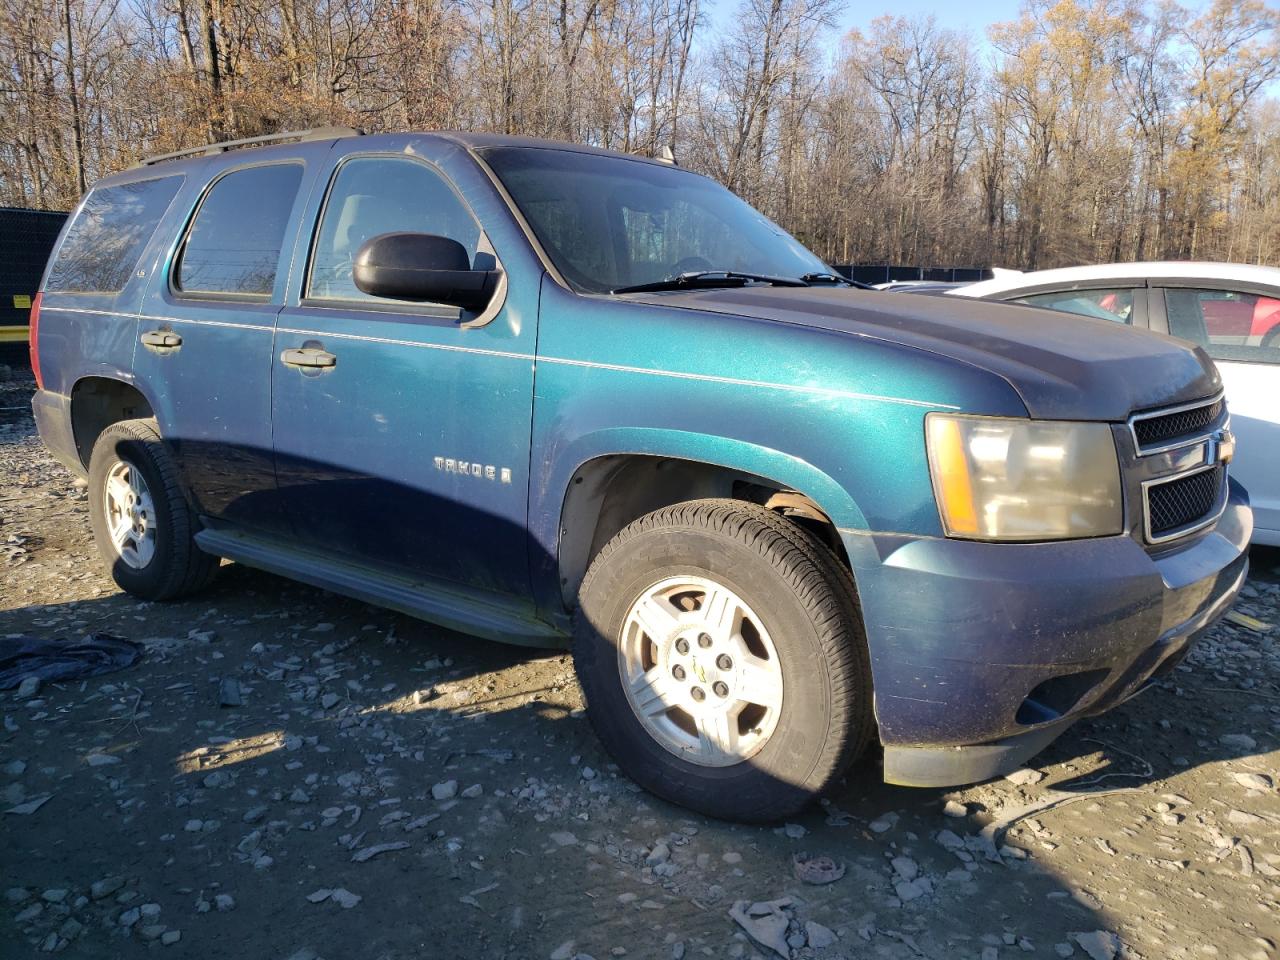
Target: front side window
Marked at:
376, 195
1230, 325
104, 243
1116, 304
609, 222
233, 245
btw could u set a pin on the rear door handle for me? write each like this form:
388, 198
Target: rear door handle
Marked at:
161, 338
308, 357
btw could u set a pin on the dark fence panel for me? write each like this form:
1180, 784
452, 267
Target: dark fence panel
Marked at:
26, 239
885, 273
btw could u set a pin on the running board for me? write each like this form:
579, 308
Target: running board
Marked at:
455, 607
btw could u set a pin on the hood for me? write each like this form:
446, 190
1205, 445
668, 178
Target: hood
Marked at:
1064, 367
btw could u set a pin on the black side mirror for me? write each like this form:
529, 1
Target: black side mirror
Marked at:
422, 266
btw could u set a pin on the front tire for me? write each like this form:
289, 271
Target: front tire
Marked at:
141, 522
723, 659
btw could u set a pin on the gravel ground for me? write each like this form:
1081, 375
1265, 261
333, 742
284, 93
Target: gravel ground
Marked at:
386, 789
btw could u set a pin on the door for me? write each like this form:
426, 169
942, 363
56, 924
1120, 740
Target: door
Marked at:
1247, 354
402, 429
205, 337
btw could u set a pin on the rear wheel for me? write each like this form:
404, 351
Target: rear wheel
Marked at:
723, 661
140, 519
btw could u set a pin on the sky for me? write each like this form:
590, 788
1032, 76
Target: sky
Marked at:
972, 15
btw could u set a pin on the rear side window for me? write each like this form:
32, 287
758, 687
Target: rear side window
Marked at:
1230, 325
104, 243
1116, 305
233, 244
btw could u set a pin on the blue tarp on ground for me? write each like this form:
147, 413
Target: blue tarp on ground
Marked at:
61, 659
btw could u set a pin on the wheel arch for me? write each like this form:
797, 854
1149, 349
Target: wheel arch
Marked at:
96, 402
630, 473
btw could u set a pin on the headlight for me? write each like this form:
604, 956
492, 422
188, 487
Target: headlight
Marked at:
1000, 479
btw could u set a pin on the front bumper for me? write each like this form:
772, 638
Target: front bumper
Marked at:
982, 653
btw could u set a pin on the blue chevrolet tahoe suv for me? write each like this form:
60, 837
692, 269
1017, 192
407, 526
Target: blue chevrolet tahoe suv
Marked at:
545, 393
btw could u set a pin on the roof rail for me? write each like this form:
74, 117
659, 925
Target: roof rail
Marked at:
210, 149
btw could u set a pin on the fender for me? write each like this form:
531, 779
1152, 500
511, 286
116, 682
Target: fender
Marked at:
551, 487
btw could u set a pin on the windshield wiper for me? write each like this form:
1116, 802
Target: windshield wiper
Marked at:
835, 278
708, 279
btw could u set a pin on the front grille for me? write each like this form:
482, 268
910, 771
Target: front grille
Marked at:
1183, 502
1164, 428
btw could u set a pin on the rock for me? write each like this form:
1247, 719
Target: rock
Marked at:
660, 853
1064, 950
445, 791
130, 917
319, 896
28, 688
149, 911
954, 809
329, 700
254, 814
1253, 781
105, 887
224, 902
1240, 818
765, 923
883, 823
15, 768
56, 895
298, 795
588, 773
1099, 944
50, 943
170, 937
217, 780
368, 853
473, 791
1239, 741
17, 894
818, 935
793, 830
562, 838
229, 693
1024, 777
29, 914
193, 826
151, 931
906, 868
564, 951
912, 889
345, 898
101, 759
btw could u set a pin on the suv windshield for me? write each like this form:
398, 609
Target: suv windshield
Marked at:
609, 222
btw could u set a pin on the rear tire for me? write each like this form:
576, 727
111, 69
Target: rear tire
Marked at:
141, 522
723, 659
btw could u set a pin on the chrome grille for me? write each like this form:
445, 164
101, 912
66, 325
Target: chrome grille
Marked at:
1158, 429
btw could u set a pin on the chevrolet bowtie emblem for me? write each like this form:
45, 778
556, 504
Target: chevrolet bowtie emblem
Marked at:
1222, 447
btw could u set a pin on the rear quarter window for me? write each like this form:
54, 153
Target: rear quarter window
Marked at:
233, 245
107, 237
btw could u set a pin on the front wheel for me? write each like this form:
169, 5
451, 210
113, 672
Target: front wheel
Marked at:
723, 661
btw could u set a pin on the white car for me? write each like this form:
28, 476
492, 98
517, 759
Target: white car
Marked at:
1231, 310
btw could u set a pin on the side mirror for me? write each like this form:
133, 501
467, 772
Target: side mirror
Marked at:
422, 266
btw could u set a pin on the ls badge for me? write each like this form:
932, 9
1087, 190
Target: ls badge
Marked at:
465, 468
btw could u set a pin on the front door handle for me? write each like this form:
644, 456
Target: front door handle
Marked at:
311, 358
161, 338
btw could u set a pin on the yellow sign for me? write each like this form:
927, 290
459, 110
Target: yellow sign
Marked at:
21, 301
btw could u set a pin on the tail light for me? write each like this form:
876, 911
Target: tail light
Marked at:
35, 341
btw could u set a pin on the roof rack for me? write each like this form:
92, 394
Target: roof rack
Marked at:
210, 149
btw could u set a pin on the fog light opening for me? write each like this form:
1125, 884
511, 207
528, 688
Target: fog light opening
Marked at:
1057, 696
